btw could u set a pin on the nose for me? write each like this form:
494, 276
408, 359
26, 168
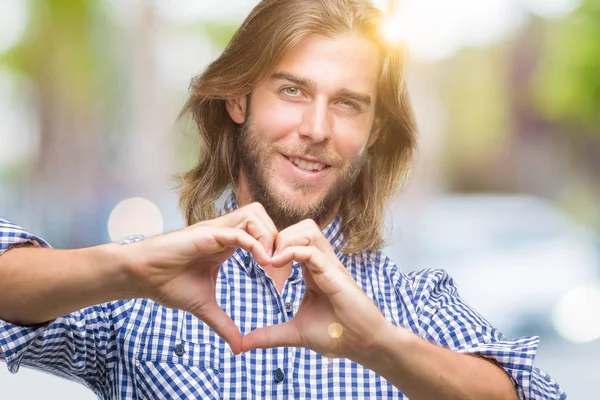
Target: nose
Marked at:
316, 122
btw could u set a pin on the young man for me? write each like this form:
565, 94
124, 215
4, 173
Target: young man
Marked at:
285, 294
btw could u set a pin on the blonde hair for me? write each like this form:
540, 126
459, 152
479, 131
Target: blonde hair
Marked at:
272, 30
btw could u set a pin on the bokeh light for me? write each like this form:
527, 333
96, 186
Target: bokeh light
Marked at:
577, 314
335, 330
13, 22
134, 216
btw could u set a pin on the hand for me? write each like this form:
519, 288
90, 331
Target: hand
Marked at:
179, 269
335, 318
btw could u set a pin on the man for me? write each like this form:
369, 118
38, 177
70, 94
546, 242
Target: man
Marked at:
284, 294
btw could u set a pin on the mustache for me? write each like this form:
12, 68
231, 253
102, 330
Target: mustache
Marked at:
317, 151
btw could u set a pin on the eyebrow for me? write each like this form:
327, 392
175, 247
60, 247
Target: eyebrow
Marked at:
312, 85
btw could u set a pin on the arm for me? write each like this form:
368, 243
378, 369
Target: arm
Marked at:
176, 269
75, 346
474, 355
336, 318
425, 371
446, 321
39, 285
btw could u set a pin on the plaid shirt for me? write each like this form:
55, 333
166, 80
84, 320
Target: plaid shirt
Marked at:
138, 349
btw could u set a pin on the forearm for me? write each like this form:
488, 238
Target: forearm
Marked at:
38, 285
422, 370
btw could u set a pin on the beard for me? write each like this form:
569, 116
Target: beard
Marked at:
255, 157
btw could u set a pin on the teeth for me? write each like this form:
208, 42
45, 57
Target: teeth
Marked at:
307, 165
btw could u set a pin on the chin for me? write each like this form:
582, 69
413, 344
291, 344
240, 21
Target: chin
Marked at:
300, 199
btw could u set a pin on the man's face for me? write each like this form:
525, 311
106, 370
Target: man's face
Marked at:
303, 139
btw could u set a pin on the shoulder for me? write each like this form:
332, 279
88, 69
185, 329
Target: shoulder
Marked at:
419, 287
378, 263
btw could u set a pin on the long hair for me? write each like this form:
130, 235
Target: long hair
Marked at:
273, 29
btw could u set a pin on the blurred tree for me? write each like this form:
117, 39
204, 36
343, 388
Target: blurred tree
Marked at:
477, 102
566, 91
61, 56
567, 87
219, 32
102, 109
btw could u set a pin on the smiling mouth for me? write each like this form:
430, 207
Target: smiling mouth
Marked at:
310, 166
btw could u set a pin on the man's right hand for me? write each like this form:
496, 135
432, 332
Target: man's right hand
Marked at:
179, 269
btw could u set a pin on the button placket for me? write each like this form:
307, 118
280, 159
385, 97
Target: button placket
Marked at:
291, 290
278, 375
179, 349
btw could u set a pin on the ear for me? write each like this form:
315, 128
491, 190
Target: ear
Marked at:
236, 108
375, 130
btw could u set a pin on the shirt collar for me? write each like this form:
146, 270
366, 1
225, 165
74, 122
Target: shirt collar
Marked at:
333, 233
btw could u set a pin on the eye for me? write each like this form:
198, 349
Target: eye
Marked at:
291, 91
348, 104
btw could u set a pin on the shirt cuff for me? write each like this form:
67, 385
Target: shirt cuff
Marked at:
516, 358
12, 235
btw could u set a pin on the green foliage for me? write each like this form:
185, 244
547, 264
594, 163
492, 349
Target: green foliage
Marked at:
476, 103
58, 47
220, 33
567, 87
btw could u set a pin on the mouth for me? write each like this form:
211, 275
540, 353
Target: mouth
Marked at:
307, 165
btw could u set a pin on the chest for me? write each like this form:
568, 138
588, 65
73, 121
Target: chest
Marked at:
177, 356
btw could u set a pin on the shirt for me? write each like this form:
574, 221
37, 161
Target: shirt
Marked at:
138, 349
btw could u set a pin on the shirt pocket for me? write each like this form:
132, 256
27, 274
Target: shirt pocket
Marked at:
167, 367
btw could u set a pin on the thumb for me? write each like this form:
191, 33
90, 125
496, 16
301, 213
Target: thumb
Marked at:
222, 324
282, 335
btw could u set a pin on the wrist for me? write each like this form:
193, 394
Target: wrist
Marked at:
123, 267
383, 352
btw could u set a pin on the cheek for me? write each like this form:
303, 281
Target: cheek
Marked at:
351, 145
276, 120
351, 135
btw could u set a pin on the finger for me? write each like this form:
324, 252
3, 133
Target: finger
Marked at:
222, 324
232, 237
282, 335
261, 217
309, 255
291, 236
304, 233
254, 219
321, 271
260, 230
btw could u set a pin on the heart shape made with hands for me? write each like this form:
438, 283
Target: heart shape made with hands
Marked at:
335, 317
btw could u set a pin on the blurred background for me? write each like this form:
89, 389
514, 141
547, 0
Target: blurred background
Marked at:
504, 194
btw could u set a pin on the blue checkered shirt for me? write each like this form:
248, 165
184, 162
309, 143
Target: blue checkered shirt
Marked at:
138, 349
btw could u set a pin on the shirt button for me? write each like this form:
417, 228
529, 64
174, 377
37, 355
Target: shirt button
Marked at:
278, 376
180, 349
289, 307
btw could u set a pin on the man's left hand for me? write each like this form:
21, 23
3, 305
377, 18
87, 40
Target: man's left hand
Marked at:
335, 318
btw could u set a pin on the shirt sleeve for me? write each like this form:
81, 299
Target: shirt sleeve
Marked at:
446, 320
80, 346
13, 235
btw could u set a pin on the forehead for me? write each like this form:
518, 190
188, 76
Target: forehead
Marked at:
350, 62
